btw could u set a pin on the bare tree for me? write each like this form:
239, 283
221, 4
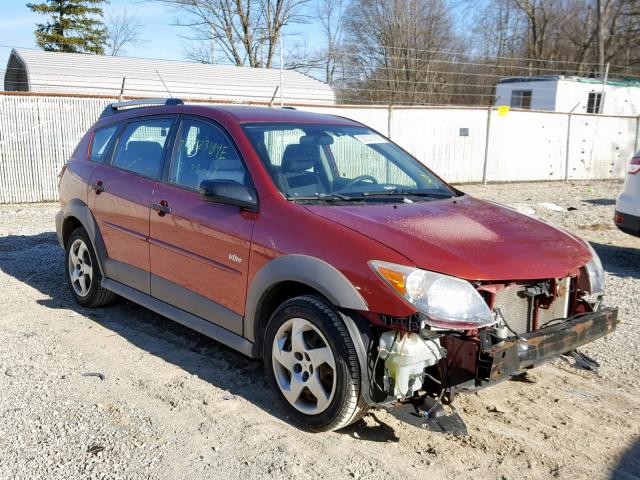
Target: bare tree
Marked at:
246, 31
331, 16
123, 30
497, 30
397, 49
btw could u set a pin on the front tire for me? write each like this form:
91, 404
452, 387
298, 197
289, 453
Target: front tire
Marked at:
83, 272
311, 363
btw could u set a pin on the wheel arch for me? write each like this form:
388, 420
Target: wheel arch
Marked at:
76, 214
289, 276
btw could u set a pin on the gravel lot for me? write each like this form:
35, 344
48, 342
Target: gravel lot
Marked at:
174, 404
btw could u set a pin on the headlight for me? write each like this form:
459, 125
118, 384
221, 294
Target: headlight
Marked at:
447, 302
595, 272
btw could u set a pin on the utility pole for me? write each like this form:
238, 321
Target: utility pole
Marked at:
212, 46
600, 19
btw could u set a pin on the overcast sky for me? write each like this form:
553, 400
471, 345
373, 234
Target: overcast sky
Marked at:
162, 40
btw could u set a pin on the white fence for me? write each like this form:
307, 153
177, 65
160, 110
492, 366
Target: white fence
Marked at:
463, 145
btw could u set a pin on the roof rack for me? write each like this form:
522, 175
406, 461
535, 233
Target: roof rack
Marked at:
114, 108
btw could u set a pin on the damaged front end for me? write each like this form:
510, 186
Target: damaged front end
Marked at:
417, 364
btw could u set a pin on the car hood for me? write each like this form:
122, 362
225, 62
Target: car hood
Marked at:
466, 237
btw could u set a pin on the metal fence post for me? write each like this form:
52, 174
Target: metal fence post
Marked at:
637, 145
124, 79
389, 128
566, 160
486, 147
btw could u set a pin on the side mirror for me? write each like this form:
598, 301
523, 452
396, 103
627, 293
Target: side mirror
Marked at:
229, 193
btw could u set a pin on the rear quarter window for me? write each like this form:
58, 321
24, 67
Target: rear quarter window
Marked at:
102, 140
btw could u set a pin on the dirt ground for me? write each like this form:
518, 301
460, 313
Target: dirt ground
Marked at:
174, 404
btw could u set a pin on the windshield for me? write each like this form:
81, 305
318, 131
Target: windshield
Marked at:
341, 163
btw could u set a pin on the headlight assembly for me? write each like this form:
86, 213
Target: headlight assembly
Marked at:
447, 302
595, 272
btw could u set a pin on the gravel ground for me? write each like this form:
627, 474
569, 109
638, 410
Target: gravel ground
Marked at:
174, 404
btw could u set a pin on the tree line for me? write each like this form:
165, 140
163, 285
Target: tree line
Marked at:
386, 51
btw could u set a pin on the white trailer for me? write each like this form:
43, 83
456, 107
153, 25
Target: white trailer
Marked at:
559, 93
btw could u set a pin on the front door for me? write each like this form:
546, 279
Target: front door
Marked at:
121, 196
199, 249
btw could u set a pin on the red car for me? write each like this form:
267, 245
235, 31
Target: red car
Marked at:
315, 243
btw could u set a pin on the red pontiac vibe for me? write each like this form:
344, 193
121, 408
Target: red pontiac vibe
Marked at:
313, 242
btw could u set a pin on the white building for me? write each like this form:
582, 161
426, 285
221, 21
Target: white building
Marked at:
31, 70
559, 93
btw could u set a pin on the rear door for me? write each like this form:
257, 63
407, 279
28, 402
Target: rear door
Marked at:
120, 198
199, 249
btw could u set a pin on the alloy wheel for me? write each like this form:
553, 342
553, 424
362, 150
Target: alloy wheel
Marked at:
304, 366
80, 267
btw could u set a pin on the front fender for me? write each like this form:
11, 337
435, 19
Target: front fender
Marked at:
304, 269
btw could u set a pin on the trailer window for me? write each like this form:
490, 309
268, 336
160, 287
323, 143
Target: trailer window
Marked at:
521, 99
594, 103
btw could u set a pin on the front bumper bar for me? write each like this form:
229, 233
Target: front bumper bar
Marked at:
500, 361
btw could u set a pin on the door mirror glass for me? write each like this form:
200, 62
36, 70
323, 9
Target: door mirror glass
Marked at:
229, 192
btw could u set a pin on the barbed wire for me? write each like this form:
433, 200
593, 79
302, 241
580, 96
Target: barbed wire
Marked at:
478, 55
171, 76
339, 51
377, 84
485, 65
156, 87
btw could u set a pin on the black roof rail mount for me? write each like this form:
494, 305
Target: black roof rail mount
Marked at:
113, 108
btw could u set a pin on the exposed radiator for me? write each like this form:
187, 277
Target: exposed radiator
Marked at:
517, 308
514, 307
559, 308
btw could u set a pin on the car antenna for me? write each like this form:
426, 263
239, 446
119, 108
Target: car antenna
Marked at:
165, 85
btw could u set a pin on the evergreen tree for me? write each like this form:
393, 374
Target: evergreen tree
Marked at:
75, 26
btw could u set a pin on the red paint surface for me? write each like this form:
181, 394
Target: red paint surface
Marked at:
192, 245
469, 238
122, 214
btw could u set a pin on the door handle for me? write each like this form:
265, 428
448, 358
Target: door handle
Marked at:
162, 208
98, 187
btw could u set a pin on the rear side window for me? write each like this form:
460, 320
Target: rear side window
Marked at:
141, 147
204, 152
101, 142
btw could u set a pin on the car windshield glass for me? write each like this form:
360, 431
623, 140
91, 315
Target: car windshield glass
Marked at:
329, 162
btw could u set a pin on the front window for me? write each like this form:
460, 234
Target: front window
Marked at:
204, 152
341, 162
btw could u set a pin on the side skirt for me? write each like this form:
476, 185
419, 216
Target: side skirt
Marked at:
198, 324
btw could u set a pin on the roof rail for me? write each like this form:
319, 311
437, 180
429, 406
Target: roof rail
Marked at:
146, 102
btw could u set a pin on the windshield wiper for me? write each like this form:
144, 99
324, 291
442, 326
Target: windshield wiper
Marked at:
322, 196
401, 193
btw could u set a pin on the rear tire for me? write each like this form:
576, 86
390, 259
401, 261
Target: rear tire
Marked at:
311, 364
83, 272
